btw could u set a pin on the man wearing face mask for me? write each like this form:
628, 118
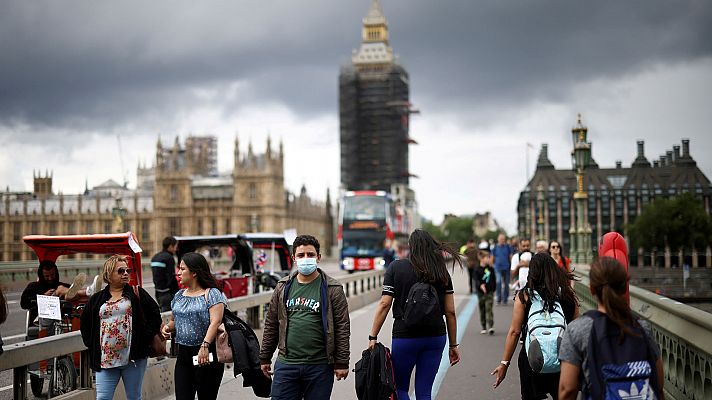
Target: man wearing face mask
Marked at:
308, 320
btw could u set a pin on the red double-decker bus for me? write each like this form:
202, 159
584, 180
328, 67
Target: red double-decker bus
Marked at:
366, 221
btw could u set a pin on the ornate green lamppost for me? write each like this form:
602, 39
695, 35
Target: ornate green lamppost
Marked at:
581, 232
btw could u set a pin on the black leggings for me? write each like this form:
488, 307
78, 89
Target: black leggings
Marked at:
191, 379
536, 386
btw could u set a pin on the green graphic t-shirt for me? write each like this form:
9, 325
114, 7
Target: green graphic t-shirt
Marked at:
305, 335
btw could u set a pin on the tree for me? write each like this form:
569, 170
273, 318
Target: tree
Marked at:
456, 230
433, 229
680, 222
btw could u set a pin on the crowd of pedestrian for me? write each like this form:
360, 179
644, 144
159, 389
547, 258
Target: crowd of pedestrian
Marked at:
308, 324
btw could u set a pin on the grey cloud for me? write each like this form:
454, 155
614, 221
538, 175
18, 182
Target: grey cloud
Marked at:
89, 66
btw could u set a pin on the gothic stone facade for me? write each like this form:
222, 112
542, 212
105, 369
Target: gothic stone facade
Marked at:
180, 195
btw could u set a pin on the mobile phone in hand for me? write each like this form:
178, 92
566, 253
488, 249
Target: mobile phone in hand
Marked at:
195, 358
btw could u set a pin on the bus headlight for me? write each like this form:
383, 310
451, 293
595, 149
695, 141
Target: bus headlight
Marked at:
348, 263
379, 263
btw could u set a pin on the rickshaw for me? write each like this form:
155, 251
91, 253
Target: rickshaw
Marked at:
62, 371
256, 260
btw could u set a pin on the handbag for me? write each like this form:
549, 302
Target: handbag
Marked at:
157, 344
222, 344
223, 347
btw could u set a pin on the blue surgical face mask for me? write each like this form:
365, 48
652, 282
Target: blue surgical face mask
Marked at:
306, 266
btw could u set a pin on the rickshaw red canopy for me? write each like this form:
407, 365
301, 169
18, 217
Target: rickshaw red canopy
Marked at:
51, 247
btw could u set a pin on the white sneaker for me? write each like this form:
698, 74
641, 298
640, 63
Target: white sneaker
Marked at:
483, 332
76, 286
491, 331
95, 286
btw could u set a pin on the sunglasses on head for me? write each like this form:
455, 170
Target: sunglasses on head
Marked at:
122, 271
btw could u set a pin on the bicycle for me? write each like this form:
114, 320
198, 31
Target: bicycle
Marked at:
61, 371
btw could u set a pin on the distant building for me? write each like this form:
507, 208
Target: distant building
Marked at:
616, 196
181, 195
483, 223
374, 110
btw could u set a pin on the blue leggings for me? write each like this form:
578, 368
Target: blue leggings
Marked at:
422, 353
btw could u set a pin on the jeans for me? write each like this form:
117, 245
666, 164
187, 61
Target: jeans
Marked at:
132, 374
424, 355
502, 285
486, 301
191, 379
302, 381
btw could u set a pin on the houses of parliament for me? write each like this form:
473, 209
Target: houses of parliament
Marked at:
181, 194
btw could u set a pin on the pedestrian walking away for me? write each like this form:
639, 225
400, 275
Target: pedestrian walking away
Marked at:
196, 313
486, 283
546, 296
163, 267
308, 321
502, 254
608, 353
471, 256
117, 326
419, 331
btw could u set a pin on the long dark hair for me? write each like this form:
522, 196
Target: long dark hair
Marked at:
609, 281
197, 264
561, 249
549, 280
426, 257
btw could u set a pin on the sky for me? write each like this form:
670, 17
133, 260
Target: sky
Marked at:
87, 88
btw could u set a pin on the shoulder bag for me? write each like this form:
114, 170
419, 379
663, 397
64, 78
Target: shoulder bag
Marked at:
157, 344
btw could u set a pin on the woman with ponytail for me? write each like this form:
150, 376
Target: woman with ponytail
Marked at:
419, 348
553, 286
622, 334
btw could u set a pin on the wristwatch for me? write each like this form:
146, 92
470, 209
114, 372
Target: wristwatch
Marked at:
505, 363
372, 337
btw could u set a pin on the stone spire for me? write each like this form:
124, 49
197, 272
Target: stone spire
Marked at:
640, 161
686, 158
269, 146
375, 49
543, 162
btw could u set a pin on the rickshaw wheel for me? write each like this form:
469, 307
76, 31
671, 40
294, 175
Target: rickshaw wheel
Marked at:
66, 376
36, 384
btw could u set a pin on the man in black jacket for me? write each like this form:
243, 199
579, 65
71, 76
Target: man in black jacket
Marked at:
163, 267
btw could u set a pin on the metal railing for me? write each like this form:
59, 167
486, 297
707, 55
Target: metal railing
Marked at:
683, 333
18, 356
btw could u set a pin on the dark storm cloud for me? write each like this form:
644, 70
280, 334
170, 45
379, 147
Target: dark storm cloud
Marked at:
88, 66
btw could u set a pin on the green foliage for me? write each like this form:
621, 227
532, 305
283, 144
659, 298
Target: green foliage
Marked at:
433, 229
458, 230
680, 222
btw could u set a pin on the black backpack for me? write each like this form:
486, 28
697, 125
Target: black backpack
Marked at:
375, 379
619, 369
422, 307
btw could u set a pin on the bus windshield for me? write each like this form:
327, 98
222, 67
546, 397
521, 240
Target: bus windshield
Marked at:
364, 208
366, 243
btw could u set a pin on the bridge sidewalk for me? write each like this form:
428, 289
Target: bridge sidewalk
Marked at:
468, 380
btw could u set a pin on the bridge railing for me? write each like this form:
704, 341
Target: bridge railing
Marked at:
361, 289
684, 334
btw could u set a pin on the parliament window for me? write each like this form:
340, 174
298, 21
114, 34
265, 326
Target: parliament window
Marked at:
252, 192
